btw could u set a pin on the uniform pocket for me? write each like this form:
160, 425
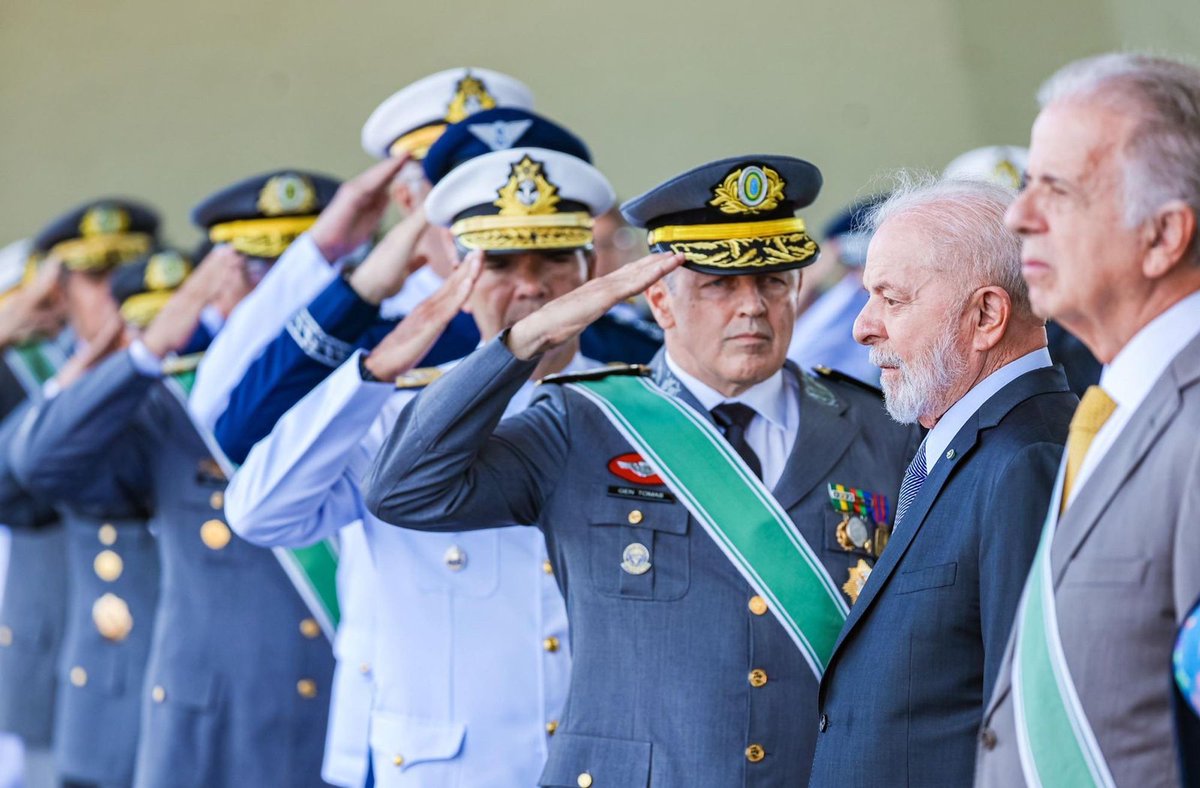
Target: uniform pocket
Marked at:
401, 742
639, 550
180, 729
615, 762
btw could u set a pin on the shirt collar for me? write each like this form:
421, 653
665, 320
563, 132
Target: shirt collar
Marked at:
960, 412
1139, 365
768, 398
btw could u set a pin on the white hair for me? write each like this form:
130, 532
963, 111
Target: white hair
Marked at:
967, 237
1162, 156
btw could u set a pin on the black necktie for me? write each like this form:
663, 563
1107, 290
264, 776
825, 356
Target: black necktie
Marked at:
733, 418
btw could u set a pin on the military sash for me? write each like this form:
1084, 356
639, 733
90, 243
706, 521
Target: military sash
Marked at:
732, 504
33, 364
1055, 741
312, 569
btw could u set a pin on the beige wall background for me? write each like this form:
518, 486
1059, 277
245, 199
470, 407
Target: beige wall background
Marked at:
168, 101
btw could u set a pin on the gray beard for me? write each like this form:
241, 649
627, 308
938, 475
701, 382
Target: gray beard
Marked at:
924, 381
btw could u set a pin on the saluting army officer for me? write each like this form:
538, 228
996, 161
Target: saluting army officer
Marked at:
238, 677
700, 516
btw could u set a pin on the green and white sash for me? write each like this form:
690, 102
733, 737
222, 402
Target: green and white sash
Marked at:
732, 504
34, 364
1055, 741
312, 569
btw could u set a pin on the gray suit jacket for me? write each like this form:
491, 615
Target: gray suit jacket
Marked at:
237, 687
1125, 573
660, 693
920, 651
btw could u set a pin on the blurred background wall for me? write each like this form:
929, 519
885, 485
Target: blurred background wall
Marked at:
167, 101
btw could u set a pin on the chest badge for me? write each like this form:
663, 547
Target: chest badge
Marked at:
632, 467
857, 580
455, 558
636, 559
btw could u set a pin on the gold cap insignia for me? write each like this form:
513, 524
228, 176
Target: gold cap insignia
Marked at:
527, 192
857, 581
166, 271
105, 220
112, 618
287, 194
749, 190
470, 96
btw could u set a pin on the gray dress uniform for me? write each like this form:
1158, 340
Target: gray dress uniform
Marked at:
34, 612
680, 676
238, 676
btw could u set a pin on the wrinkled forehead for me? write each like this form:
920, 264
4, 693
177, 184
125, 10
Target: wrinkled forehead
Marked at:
1078, 140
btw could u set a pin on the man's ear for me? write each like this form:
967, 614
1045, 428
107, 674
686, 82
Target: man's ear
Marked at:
1171, 235
990, 310
658, 296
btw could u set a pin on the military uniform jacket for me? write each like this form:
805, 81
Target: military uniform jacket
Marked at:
1124, 564
661, 689
238, 676
471, 658
917, 658
33, 616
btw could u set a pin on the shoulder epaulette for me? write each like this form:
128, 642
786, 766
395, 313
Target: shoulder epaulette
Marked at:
638, 370
418, 378
842, 377
177, 364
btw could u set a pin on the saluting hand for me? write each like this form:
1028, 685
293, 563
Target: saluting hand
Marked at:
353, 215
111, 337
392, 261
566, 317
411, 340
174, 325
35, 310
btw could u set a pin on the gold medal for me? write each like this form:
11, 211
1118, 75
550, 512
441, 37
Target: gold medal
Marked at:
112, 618
858, 579
883, 533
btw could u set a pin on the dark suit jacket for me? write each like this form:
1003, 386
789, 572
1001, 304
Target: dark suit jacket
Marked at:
904, 692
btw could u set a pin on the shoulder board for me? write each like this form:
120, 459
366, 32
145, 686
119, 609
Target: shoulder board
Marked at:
178, 364
418, 378
842, 377
638, 370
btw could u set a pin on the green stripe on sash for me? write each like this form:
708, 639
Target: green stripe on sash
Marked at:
34, 364
1054, 738
313, 569
732, 505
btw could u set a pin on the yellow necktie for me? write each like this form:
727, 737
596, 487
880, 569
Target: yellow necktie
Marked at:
1094, 409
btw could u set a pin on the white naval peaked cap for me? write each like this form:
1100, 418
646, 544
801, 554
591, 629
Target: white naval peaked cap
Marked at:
1002, 165
13, 260
413, 118
520, 199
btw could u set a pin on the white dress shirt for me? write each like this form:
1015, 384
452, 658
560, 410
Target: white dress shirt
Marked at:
1135, 370
772, 432
938, 439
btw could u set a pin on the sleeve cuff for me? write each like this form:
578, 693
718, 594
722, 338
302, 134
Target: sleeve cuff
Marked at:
146, 363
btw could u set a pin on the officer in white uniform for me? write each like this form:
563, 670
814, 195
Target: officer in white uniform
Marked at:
471, 659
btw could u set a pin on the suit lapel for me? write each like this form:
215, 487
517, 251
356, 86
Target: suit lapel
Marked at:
823, 425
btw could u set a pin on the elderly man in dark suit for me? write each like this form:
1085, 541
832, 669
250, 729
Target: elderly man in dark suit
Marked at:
961, 352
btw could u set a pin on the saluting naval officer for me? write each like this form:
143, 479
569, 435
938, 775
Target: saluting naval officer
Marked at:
471, 658
963, 354
691, 511
237, 686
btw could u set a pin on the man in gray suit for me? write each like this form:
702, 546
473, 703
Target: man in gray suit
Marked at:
950, 324
696, 543
1108, 222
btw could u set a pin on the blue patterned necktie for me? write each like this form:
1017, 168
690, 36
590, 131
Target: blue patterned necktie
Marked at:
914, 477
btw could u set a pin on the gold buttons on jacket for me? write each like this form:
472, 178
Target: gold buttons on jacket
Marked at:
107, 534
108, 565
215, 534
307, 688
455, 558
364, 668
758, 677
758, 605
547, 567
550, 644
78, 676
310, 628
584, 780
755, 753
112, 618
5, 636
159, 694
217, 500
398, 760
551, 727
635, 517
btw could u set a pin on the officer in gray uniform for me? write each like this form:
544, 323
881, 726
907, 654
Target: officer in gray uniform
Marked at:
685, 672
238, 677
